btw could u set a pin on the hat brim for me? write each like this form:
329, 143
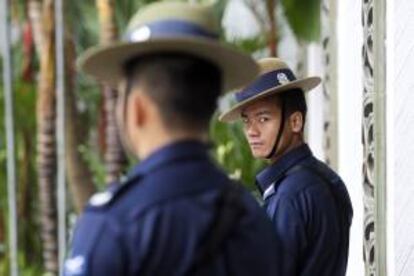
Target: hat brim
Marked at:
306, 85
106, 63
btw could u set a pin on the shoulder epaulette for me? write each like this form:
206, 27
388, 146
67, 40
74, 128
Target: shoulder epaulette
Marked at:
111, 194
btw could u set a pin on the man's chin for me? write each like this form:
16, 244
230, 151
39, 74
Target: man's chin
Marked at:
258, 155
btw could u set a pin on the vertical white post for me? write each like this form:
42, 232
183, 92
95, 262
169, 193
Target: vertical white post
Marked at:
380, 171
330, 106
60, 129
9, 124
315, 101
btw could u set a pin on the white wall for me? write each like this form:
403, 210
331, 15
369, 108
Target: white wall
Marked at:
390, 105
238, 21
349, 45
315, 134
400, 130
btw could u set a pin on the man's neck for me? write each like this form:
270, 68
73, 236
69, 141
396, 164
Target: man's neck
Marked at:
286, 150
149, 146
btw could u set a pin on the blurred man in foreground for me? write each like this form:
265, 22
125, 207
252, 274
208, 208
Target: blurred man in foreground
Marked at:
176, 213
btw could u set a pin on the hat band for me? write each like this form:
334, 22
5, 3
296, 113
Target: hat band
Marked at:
265, 82
168, 29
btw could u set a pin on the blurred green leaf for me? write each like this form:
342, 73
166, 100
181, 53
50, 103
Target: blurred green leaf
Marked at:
233, 153
251, 45
304, 18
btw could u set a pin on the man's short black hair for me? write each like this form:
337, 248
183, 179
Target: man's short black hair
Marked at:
184, 87
295, 101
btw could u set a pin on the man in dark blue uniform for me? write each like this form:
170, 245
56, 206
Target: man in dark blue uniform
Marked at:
307, 201
176, 213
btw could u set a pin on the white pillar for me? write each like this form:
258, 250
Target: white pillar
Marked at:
6, 53
349, 73
315, 100
400, 145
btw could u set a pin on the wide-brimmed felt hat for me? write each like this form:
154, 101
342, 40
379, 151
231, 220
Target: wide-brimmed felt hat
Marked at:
274, 77
170, 27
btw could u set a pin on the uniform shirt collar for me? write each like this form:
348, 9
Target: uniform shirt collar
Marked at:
276, 170
174, 152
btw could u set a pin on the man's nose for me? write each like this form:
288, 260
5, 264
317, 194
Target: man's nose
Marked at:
252, 130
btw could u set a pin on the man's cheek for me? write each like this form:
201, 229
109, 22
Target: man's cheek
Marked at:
254, 152
251, 148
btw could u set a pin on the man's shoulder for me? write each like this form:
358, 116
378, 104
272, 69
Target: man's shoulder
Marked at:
181, 217
103, 201
166, 187
308, 178
296, 182
167, 192
313, 183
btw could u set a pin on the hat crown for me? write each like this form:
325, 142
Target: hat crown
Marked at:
274, 73
170, 27
196, 14
275, 76
267, 65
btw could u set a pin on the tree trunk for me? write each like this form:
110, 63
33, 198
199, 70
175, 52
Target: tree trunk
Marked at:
35, 16
46, 141
2, 237
25, 195
115, 158
106, 12
272, 35
267, 22
79, 175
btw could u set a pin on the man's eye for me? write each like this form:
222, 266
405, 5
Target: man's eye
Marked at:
263, 119
245, 121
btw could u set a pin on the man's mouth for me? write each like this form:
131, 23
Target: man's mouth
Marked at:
256, 145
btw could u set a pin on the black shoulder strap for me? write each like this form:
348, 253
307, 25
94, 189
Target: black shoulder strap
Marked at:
328, 184
229, 211
339, 202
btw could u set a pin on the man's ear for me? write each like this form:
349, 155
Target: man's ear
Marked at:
296, 122
139, 108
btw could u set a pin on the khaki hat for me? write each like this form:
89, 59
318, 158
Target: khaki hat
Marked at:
274, 77
172, 27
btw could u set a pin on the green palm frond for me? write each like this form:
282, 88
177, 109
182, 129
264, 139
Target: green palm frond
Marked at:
304, 18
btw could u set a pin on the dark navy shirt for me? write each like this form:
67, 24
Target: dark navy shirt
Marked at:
154, 223
311, 213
